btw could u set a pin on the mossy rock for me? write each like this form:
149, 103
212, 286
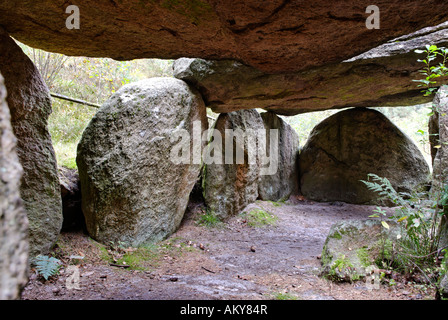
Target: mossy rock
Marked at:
443, 287
354, 245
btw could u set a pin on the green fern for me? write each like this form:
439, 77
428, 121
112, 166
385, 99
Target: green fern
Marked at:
47, 266
384, 188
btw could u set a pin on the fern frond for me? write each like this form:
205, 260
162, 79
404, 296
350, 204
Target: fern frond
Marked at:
47, 266
383, 187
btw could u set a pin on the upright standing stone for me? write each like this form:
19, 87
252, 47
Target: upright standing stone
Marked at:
439, 132
439, 137
344, 148
230, 185
13, 220
133, 190
29, 102
284, 182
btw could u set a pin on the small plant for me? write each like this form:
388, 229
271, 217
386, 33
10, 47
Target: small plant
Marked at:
276, 203
47, 266
432, 72
209, 219
146, 256
259, 218
418, 219
284, 296
139, 258
341, 263
384, 188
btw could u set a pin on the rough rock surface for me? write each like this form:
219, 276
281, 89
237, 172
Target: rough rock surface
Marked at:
352, 246
30, 106
443, 287
438, 125
378, 78
285, 181
344, 148
131, 190
274, 36
13, 219
229, 188
438, 130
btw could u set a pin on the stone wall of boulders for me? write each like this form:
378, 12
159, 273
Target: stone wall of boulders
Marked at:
133, 192
130, 190
149, 145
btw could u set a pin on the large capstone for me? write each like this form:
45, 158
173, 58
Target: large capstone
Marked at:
29, 102
346, 147
273, 36
283, 141
381, 77
13, 219
134, 187
291, 56
230, 182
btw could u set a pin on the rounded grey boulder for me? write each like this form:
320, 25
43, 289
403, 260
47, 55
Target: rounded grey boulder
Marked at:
344, 148
132, 190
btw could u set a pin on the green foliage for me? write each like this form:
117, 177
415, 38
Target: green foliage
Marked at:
146, 256
284, 296
209, 219
342, 269
90, 79
418, 218
432, 72
137, 258
47, 266
277, 203
383, 187
341, 263
363, 256
259, 218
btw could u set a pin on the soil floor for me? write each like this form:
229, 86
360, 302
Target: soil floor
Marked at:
231, 261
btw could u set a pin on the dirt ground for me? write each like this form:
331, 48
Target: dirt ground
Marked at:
231, 261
